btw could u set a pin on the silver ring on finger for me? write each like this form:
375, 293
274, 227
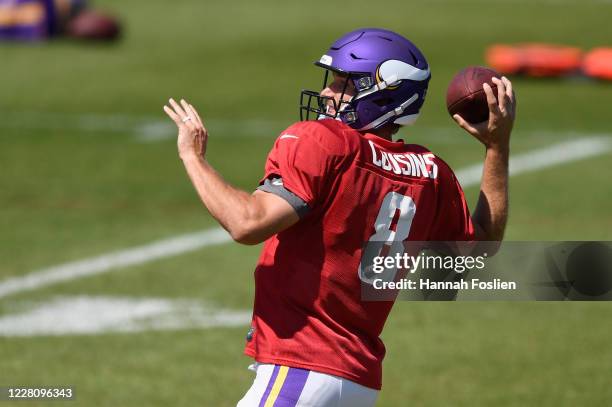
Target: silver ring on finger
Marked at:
186, 119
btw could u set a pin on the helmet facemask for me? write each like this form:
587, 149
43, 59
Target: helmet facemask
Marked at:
314, 102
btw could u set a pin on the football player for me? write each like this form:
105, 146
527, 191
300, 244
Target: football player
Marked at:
331, 185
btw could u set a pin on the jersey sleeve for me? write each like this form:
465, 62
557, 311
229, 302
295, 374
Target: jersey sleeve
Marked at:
453, 220
274, 185
305, 156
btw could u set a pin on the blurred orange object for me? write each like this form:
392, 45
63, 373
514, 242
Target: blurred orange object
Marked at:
505, 59
598, 63
534, 59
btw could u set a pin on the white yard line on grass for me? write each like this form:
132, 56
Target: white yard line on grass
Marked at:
141, 128
114, 260
574, 150
526, 162
85, 315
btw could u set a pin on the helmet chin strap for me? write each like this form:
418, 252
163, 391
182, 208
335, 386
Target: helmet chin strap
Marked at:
395, 112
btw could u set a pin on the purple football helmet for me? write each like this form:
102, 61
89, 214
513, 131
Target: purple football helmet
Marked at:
390, 75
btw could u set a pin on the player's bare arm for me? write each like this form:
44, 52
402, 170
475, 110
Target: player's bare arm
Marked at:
249, 218
491, 211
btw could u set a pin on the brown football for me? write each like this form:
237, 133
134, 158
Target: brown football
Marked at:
465, 95
92, 25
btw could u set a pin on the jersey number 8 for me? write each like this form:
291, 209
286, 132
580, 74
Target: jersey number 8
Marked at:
392, 227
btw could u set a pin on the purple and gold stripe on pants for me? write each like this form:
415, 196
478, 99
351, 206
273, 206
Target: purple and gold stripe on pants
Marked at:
285, 387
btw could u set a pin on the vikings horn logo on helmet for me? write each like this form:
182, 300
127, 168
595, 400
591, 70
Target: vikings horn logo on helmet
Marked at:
394, 71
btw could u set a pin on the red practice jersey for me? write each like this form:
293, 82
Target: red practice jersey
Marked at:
308, 310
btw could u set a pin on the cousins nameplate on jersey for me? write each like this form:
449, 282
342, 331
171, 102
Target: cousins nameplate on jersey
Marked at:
404, 163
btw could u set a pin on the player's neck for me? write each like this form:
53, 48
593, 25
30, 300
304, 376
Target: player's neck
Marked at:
386, 132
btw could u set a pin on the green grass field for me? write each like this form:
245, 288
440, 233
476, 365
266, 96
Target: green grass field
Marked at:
89, 166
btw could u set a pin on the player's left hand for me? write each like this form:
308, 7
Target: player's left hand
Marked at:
192, 135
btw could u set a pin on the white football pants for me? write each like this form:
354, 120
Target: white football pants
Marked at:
282, 386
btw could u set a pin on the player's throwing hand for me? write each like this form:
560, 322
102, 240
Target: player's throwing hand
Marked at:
192, 135
495, 132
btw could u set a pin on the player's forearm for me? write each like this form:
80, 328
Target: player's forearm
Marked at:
491, 211
231, 207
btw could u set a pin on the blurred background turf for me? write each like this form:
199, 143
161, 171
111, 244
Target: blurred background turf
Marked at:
78, 180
